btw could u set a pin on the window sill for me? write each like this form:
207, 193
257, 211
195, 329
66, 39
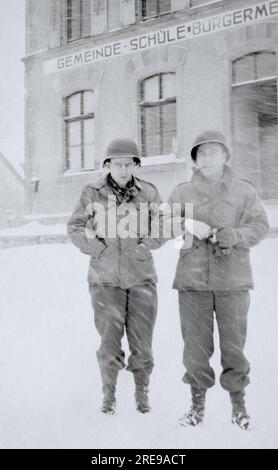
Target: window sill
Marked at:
144, 19
160, 160
69, 176
145, 162
212, 2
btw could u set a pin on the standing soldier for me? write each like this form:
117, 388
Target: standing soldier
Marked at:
214, 274
122, 278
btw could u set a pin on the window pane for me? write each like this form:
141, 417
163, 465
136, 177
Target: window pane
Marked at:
99, 7
114, 15
164, 6
256, 135
75, 158
74, 133
80, 131
89, 102
168, 85
245, 121
268, 138
89, 156
266, 65
151, 130
155, 7
74, 19
169, 126
74, 6
151, 89
244, 69
149, 8
267, 103
78, 19
86, 17
89, 131
74, 29
73, 105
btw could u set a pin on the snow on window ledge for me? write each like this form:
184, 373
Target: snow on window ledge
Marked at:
159, 159
205, 3
76, 174
145, 161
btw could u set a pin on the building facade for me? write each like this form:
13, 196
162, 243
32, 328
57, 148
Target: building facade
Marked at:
158, 71
12, 189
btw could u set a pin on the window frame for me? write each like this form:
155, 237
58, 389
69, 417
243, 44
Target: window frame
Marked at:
152, 104
69, 22
76, 118
254, 82
157, 15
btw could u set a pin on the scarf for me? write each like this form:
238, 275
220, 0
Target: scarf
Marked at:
123, 194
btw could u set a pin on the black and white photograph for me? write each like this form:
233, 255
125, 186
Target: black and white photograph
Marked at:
139, 226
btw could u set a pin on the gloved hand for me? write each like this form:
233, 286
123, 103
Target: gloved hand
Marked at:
226, 237
198, 229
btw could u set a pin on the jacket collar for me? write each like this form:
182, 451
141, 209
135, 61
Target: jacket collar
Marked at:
103, 186
201, 182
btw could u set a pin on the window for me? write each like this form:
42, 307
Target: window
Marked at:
158, 114
80, 131
154, 8
255, 120
78, 19
81, 19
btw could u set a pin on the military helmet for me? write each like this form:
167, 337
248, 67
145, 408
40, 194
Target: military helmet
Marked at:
122, 148
208, 137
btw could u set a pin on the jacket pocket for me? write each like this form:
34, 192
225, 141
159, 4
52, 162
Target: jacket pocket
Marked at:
242, 276
186, 251
142, 253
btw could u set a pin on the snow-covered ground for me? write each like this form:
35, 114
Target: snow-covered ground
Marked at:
49, 378
272, 213
34, 228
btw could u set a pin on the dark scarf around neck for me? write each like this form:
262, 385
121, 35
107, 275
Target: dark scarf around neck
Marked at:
122, 193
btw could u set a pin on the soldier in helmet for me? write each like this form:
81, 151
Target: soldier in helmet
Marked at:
213, 275
122, 278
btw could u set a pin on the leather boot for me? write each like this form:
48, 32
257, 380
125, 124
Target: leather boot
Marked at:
141, 392
196, 413
240, 416
109, 381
